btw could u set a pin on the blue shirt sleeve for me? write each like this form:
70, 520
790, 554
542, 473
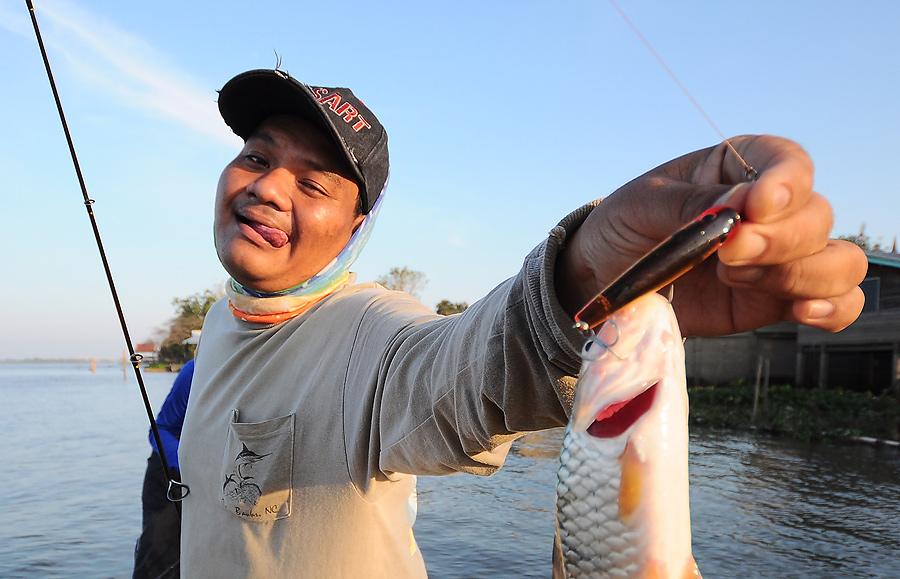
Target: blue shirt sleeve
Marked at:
171, 415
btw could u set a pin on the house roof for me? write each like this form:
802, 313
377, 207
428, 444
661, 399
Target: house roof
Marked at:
884, 258
194, 339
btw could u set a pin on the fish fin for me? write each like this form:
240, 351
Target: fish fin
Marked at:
631, 483
691, 571
559, 560
657, 569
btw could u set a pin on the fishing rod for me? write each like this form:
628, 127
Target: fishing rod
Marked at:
176, 490
750, 173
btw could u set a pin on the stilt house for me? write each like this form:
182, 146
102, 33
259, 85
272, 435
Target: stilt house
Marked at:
863, 357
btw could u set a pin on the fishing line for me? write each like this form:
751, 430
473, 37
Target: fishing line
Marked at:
174, 486
749, 171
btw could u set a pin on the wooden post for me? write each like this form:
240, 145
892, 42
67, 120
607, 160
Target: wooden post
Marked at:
895, 370
895, 367
823, 367
759, 369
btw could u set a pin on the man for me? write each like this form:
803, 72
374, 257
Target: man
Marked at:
316, 400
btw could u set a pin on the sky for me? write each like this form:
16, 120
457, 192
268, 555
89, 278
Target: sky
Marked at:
502, 118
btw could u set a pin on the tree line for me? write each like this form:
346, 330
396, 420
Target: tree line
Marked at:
191, 311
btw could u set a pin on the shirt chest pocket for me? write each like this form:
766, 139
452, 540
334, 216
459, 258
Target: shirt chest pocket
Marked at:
257, 468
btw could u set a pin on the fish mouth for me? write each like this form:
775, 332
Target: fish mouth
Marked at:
618, 417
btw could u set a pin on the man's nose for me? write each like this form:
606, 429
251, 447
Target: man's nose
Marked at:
273, 188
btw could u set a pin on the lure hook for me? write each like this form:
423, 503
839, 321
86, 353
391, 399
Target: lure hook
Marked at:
593, 339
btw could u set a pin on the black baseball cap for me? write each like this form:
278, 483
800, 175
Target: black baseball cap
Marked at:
251, 97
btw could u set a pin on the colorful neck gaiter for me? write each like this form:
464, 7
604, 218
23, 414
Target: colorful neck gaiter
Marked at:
270, 308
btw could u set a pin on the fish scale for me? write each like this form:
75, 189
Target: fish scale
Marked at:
622, 491
587, 505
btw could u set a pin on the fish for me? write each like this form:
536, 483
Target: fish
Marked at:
622, 492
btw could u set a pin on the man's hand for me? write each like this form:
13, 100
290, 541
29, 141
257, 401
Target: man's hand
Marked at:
780, 265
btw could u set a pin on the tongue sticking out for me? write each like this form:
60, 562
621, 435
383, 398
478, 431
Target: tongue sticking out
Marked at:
276, 237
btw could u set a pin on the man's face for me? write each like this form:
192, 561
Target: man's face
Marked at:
285, 207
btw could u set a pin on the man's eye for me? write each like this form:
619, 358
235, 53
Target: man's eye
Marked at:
256, 160
311, 187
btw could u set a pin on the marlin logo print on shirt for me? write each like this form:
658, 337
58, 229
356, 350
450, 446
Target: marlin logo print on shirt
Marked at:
257, 469
239, 485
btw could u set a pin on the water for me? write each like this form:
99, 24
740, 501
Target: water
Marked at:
73, 448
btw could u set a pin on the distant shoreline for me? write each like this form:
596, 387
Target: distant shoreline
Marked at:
59, 361
145, 367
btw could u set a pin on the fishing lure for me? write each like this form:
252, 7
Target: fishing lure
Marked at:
664, 264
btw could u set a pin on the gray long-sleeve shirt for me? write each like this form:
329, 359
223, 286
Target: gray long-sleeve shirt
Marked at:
302, 439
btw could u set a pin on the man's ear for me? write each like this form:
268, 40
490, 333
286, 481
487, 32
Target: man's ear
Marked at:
358, 221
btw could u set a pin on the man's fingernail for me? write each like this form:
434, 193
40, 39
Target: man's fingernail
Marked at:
780, 199
752, 246
820, 309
